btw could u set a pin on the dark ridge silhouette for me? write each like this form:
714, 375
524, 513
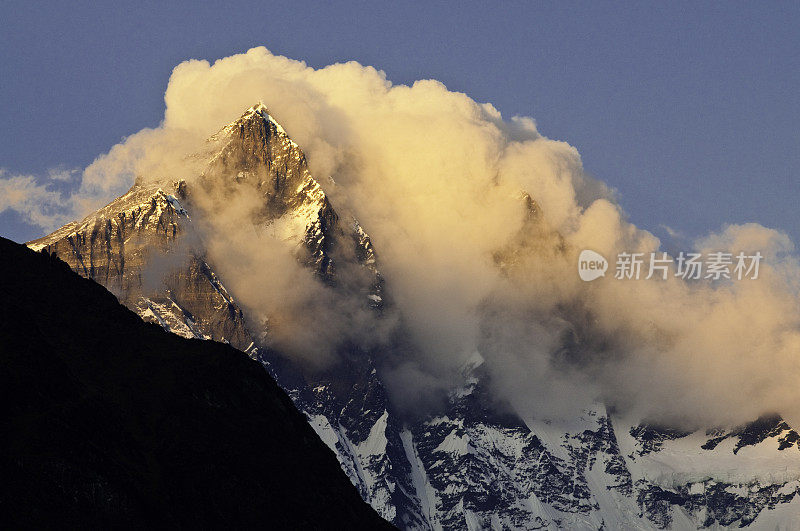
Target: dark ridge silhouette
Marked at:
111, 422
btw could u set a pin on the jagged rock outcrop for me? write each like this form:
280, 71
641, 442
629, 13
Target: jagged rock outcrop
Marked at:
137, 248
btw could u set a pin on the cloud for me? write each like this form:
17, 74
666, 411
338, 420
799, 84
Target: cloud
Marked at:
439, 181
64, 195
38, 204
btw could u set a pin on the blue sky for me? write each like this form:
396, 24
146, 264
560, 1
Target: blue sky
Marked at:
690, 111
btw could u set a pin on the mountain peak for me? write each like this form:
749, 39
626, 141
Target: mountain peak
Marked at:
258, 108
254, 114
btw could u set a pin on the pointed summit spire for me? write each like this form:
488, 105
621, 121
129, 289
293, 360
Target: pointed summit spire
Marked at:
259, 108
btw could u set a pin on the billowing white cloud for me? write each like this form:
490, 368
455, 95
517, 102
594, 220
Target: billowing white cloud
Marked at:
438, 181
37, 203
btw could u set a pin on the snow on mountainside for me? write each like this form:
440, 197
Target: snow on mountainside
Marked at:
473, 465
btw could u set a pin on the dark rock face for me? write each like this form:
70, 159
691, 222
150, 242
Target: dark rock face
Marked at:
255, 152
651, 438
111, 422
474, 464
766, 427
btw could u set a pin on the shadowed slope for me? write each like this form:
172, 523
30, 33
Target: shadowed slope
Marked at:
110, 421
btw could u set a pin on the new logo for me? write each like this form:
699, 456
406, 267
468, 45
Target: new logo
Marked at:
591, 265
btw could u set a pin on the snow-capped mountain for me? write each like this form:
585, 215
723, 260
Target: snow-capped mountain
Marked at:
472, 465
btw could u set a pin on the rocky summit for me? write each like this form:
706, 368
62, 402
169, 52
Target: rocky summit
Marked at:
474, 464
